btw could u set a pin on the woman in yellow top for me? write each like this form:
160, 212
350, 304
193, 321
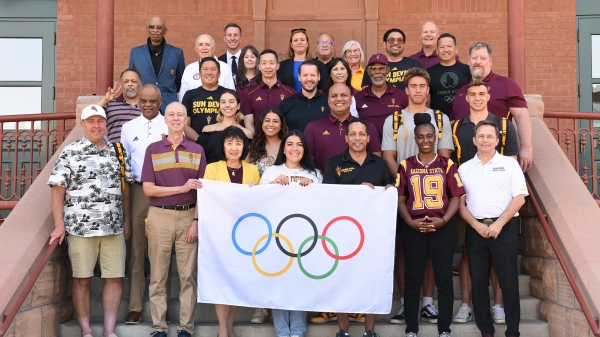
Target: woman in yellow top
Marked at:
354, 55
231, 168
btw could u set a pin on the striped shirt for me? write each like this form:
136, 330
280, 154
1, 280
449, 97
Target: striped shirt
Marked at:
170, 166
119, 112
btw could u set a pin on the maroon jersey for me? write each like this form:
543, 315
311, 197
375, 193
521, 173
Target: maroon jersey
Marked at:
428, 187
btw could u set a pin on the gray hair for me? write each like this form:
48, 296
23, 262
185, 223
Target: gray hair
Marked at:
479, 45
330, 36
212, 41
348, 45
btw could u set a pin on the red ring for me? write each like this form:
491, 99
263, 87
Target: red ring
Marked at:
362, 238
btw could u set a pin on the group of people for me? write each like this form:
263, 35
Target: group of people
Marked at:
427, 124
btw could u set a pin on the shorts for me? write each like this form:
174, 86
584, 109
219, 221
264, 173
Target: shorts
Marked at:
461, 229
85, 252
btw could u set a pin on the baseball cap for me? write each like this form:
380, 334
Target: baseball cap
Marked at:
92, 110
378, 58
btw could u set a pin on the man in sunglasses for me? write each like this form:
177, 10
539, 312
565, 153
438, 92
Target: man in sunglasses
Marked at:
393, 42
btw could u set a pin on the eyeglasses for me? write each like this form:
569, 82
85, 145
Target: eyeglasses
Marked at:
353, 51
327, 43
391, 40
151, 27
298, 30
378, 68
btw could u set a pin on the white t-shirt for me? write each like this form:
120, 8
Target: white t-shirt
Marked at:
191, 78
294, 175
407, 147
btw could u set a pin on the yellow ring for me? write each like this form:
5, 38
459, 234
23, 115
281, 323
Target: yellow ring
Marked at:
289, 243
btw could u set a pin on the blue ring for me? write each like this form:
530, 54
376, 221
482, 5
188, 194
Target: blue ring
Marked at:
235, 228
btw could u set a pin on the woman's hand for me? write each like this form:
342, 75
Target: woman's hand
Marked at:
305, 181
281, 180
369, 184
252, 184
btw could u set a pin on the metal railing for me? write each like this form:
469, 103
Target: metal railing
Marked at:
578, 134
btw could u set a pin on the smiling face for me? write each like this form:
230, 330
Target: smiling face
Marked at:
233, 148
425, 139
271, 124
93, 128
339, 73
175, 117
357, 137
478, 98
417, 90
480, 63
378, 73
299, 43
204, 47
394, 46
339, 99
250, 60
228, 105
429, 34
309, 77
446, 49
232, 38
268, 65
293, 150
352, 55
157, 29
209, 73
486, 139
150, 102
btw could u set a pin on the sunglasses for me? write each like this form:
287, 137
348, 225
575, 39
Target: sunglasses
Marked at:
298, 30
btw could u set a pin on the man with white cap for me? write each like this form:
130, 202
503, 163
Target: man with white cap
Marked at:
90, 201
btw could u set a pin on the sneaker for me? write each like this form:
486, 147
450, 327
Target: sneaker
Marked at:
498, 314
445, 334
464, 314
183, 333
411, 334
429, 313
360, 318
399, 318
259, 316
158, 334
370, 334
342, 333
324, 317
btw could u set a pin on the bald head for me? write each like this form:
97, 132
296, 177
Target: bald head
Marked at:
157, 28
157, 19
150, 101
429, 34
175, 114
340, 99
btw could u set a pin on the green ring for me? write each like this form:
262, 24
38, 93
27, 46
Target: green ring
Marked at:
317, 277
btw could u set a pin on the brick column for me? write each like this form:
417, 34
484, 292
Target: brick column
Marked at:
516, 41
105, 47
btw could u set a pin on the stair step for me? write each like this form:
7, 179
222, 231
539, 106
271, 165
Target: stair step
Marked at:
206, 312
537, 328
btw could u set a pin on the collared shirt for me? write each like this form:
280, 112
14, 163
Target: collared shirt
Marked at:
137, 134
445, 82
376, 109
202, 106
191, 78
166, 165
505, 93
119, 112
428, 61
262, 97
357, 78
491, 186
93, 204
404, 144
343, 169
466, 131
300, 110
237, 59
326, 137
397, 71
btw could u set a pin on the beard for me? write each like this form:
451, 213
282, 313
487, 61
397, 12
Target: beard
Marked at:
131, 93
309, 89
477, 73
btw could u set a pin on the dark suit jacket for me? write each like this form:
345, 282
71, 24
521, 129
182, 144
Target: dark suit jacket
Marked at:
285, 74
223, 58
169, 76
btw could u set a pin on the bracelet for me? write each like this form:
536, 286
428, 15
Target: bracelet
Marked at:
194, 219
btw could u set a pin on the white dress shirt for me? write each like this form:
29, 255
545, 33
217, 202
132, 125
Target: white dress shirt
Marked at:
237, 58
191, 78
137, 135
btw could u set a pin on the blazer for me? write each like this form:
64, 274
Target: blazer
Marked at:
285, 74
218, 172
223, 58
169, 76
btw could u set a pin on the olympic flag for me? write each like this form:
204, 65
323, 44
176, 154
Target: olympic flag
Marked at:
315, 248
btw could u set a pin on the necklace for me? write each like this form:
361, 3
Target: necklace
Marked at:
233, 170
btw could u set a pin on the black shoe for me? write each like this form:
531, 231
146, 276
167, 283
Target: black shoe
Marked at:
399, 318
342, 333
183, 333
158, 334
429, 313
370, 334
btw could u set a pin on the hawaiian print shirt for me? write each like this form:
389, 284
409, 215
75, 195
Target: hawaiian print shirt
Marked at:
93, 204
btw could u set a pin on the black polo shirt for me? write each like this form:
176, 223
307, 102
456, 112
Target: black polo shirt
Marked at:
466, 131
300, 110
342, 169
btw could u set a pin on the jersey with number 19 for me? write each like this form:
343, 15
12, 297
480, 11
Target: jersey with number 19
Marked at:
428, 187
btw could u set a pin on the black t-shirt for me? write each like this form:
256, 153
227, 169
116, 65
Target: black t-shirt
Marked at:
397, 72
202, 106
342, 169
300, 110
445, 82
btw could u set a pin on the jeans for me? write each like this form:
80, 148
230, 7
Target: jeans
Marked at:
289, 322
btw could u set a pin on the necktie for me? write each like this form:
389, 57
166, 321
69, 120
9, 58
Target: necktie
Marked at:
233, 65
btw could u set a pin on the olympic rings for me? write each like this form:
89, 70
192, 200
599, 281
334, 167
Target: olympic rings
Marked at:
335, 263
312, 223
256, 251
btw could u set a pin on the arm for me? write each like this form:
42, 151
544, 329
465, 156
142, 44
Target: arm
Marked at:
57, 204
127, 212
192, 234
510, 211
521, 116
110, 95
470, 219
444, 152
151, 190
403, 211
249, 122
190, 133
390, 159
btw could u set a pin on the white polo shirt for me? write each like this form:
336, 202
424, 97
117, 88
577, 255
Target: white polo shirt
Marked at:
191, 78
137, 134
491, 186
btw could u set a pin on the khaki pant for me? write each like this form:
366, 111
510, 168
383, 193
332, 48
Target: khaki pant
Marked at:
165, 228
138, 244
84, 252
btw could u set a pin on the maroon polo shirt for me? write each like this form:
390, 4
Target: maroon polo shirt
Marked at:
326, 138
376, 109
261, 97
504, 94
428, 61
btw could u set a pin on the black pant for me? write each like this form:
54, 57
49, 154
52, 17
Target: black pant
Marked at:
417, 247
503, 251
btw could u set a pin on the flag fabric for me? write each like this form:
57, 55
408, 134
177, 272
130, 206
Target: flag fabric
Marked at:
316, 248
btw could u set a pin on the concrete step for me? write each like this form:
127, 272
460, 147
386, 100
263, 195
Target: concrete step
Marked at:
537, 328
97, 284
530, 307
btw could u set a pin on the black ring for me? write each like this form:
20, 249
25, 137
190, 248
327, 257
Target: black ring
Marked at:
314, 243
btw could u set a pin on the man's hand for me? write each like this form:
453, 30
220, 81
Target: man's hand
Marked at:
387, 186
191, 184
58, 234
494, 230
368, 184
192, 234
113, 92
526, 158
482, 230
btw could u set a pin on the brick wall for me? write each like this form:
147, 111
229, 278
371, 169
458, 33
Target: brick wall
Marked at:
550, 31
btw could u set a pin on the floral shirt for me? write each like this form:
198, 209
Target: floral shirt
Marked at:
93, 204
264, 163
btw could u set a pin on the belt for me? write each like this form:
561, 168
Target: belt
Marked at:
178, 207
487, 221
